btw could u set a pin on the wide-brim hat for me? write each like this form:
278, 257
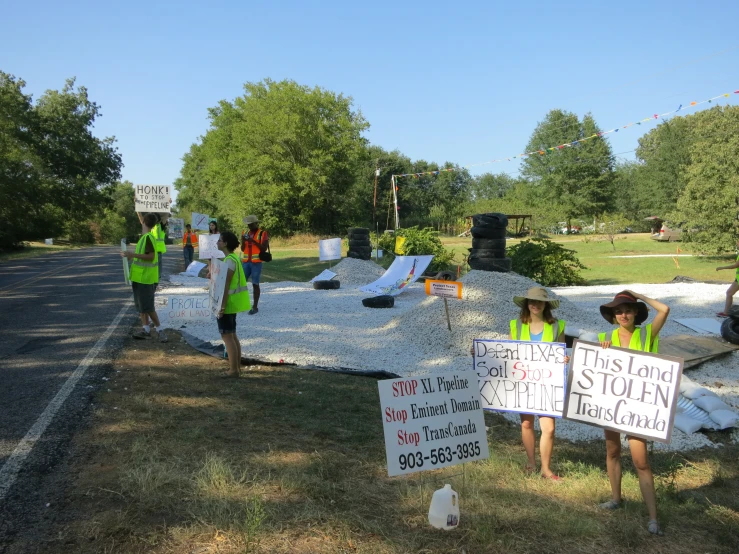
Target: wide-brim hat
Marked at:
251, 219
536, 293
625, 297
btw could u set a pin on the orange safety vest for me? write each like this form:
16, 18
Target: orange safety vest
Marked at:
248, 256
193, 239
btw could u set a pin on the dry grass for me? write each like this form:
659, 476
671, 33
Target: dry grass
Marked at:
287, 460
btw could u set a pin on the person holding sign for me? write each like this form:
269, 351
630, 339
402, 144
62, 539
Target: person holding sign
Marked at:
254, 242
536, 323
629, 313
236, 299
144, 278
189, 242
733, 287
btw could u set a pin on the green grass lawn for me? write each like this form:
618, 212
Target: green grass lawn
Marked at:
33, 250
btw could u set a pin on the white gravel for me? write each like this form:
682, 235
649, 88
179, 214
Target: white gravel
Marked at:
304, 326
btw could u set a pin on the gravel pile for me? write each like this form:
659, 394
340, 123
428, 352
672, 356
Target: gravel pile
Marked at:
304, 326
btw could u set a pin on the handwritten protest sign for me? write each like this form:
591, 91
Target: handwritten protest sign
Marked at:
152, 198
208, 247
184, 308
126, 273
623, 390
218, 273
200, 222
432, 422
329, 249
522, 377
176, 227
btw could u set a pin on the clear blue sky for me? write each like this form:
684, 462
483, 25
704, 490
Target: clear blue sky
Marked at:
464, 82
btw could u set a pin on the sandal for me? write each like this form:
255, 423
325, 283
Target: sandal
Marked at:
722, 314
653, 527
610, 505
552, 477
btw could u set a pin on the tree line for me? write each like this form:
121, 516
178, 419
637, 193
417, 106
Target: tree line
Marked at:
297, 156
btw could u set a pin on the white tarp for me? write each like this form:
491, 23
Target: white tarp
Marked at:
404, 271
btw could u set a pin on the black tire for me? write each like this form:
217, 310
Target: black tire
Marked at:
491, 264
488, 244
384, 301
730, 330
358, 231
326, 285
360, 249
488, 232
358, 255
493, 220
445, 276
480, 254
358, 243
734, 312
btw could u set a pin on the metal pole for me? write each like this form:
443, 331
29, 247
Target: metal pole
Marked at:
395, 200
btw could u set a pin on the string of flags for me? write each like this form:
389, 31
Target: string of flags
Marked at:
574, 143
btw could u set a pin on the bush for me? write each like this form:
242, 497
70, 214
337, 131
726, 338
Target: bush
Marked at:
419, 242
546, 262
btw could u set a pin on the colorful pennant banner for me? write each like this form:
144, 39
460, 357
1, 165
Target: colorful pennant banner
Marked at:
574, 142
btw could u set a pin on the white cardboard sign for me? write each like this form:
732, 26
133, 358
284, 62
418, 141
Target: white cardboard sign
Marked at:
325, 275
183, 308
126, 271
194, 268
329, 249
432, 422
519, 376
152, 198
208, 247
200, 222
218, 273
623, 390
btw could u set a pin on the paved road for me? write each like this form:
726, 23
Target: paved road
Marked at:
54, 309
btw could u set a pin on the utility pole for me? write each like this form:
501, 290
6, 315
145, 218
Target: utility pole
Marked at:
374, 201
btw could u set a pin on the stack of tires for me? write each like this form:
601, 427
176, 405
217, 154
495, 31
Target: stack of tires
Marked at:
488, 243
730, 326
359, 243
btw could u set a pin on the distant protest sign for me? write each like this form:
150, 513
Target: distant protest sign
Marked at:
200, 222
176, 227
432, 422
208, 247
183, 308
152, 198
218, 273
329, 249
623, 390
519, 376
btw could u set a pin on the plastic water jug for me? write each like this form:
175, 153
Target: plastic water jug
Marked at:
444, 509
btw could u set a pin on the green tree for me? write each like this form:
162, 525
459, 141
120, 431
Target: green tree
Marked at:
579, 177
610, 225
489, 186
284, 151
52, 169
120, 220
708, 206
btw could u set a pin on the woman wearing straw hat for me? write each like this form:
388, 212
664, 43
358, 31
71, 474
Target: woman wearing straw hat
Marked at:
536, 323
629, 313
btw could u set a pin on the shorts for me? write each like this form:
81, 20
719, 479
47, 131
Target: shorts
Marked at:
143, 297
252, 270
227, 324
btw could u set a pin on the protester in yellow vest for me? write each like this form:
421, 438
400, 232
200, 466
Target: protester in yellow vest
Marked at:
536, 323
235, 300
733, 287
628, 313
144, 277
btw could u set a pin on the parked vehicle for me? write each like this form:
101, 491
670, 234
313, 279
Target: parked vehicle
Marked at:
667, 234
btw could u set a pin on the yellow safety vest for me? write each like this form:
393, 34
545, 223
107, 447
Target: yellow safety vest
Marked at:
637, 342
519, 329
146, 273
158, 234
238, 293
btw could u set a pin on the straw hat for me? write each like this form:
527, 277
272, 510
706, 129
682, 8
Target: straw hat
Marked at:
625, 297
536, 293
251, 219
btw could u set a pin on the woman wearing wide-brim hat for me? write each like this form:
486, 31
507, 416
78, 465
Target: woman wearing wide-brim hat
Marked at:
628, 311
536, 323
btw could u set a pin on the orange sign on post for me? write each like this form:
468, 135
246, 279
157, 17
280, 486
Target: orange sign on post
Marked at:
444, 289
